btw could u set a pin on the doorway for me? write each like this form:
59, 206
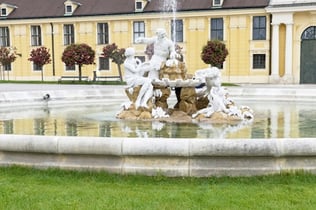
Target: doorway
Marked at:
308, 56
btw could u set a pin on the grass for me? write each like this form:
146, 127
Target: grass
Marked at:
28, 188
229, 84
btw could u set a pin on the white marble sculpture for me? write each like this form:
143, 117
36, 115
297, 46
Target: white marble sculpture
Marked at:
164, 48
218, 96
134, 76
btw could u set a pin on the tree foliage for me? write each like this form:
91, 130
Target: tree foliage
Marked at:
214, 53
78, 54
40, 56
117, 55
7, 56
114, 53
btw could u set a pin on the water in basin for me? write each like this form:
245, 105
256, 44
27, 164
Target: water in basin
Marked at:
272, 120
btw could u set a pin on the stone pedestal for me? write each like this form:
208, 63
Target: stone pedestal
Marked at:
161, 101
132, 96
187, 101
173, 72
131, 112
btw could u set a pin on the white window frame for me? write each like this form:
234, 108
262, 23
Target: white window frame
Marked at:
4, 12
69, 38
36, 38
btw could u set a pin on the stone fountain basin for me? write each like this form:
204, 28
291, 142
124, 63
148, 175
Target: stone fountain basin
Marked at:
169, 157
158, 156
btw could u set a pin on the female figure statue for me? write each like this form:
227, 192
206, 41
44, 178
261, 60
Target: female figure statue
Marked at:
134, 77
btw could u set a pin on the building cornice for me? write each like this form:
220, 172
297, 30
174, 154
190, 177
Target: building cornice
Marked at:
299, 7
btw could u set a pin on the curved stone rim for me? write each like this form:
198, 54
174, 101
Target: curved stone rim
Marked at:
169, 157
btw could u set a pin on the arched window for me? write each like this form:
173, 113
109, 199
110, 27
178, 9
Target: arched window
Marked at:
309, 33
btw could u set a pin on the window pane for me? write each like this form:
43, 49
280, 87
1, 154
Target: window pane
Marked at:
7, 67
3, 12
68, 9
259, 28
139, 29
256, 22
309, 33
142, 27
259, 61
4, 37
69, 37
217, 29
262, 23
103, 33
37, 67
177, 30
36, 36
8, 126
139, 5
104, 63
71, 68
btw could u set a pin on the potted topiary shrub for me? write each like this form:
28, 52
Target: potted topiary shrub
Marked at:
214, 53
40, 57
78, 54
116, 54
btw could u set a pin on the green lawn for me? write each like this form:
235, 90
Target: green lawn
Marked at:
26, 188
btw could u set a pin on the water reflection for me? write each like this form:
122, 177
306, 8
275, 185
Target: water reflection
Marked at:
272, 120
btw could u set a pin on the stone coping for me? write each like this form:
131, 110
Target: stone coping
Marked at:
158, 146
169, 157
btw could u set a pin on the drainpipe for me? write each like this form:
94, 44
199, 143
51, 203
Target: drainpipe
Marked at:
270, 40
53, 48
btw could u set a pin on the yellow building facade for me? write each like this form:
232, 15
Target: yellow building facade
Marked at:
264, 42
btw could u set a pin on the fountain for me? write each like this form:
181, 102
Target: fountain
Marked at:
171, 6
149, 85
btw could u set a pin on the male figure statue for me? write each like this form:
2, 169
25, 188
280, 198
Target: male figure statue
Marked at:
163, 49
